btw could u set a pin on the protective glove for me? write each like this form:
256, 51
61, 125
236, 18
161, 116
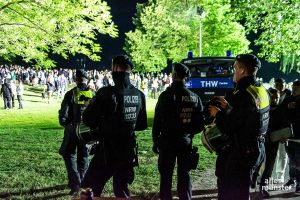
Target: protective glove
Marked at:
155, 149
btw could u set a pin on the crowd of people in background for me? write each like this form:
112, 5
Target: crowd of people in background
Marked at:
282, 154
11, 90
55, 82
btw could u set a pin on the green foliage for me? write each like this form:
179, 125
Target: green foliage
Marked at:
278, 25
290, 62
31, 167
32, 29
168, 30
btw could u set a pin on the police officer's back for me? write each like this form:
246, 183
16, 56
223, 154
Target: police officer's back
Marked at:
117, 111
178, 117
75, 153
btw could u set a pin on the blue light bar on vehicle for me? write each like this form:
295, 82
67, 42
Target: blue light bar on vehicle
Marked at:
190, 55
228, 53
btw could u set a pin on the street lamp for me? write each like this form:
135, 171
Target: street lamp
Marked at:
84, 59
201, 13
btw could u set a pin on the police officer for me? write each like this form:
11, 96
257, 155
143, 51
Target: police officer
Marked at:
118, 111
70, 118
178, 117
244, 119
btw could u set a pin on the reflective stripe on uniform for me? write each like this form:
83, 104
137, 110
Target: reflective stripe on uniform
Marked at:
260, 96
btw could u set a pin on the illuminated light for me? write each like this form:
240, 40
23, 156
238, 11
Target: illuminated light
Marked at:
190, 55
228, 53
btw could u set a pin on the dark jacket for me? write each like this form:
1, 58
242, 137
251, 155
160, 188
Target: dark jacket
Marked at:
286, 93
50, 87
277, 121
242, 123
178, 116
6, 90
118, 111
293, 114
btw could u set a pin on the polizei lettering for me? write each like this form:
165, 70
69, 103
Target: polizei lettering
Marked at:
130, 108
131, 99
189, 99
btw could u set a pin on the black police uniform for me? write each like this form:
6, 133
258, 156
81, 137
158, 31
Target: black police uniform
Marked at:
244, 122
118, 111
178, 116
70, 117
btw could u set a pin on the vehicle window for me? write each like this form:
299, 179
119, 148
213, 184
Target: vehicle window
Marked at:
212, 70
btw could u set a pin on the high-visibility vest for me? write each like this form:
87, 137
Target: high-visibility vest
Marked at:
261, 99
78, 93
78, 106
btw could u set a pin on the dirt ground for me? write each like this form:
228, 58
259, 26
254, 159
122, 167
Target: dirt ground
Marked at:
206, 189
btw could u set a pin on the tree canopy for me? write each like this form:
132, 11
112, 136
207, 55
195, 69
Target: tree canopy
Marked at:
277, 23
34, 28
168, 29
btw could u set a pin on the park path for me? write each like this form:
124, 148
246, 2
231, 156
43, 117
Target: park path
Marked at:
205, 188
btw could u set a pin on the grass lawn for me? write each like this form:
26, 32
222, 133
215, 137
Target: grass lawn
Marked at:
31, 168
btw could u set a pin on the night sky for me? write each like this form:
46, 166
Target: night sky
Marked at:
122, 13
